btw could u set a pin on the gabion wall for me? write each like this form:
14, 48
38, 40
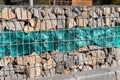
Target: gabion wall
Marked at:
26, 51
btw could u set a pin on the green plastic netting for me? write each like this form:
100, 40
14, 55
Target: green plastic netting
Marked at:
64, 40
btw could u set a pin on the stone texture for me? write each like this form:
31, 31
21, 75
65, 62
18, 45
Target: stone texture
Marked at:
70, 22
49, 64
6, 60
7, 70
36, 12
81, 21
28, 28
32, 22
22, 14
61, 23
58, 11
20, 68
34, 70
45, 56
7, 14
15, 25
28, 60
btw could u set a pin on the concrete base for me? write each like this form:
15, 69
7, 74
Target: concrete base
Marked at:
98, 74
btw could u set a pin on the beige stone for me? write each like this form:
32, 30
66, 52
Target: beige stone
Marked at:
113, 63
7, 14
45, 56
28, 29
83, 49
22, 14
73, 67
28, 60
49, 64
66, 71
81, 21
46, 23
70, 22
88, 60
72, 53
34, 70
6, 60
86, 67
32, 22
73, 70
107, 21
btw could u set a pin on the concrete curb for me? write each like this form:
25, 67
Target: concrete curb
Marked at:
98, 74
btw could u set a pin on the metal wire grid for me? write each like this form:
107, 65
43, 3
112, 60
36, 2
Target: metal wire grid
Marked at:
65, 65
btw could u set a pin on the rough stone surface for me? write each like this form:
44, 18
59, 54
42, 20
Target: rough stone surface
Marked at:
7, 14
22, 14
15, 25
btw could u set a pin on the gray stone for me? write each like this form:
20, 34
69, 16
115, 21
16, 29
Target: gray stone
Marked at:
60, 67
45, 11
77, 10
58, 11
81, 58
15, 25
106, 11
16, 77
97, 74
52, 72
100, 22
7, 70
93, 14
46, 73
53, 20
61, 21
36, 12
99, 12
58, 56
92, 23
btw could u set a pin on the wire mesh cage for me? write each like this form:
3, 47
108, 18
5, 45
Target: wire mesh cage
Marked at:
44, 41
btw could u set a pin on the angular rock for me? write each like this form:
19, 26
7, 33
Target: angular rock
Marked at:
52, 72
45, 12
92, 23
99, 12
80, 21
34, 70
86, 67
2, 26
84, 49
45, 56
106, 11
66, 71
93, 14
61, 21
28, 60
20, 68
58, 56
22, 14
70, 22
6, 60
58, 11
72, 53
47, 24
60, 67
85, 14
28, 28
7, 70
81, 58
36, 12
100, 22
7, 14
77, 10
73, 70
49, 64
15, 25
53, 20
107, 21
32, 22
